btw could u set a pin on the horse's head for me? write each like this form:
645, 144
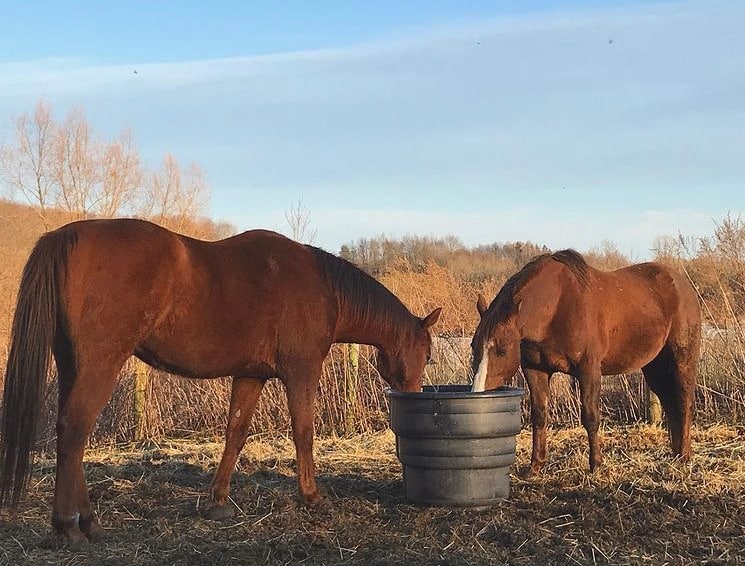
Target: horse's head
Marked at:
495, 344
403, 365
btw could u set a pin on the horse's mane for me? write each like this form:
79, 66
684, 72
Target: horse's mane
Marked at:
575, 262
504, 304
361, 296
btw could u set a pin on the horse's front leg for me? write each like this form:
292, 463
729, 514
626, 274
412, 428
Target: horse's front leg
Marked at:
301, 394
589, 387
538, 382
244, 396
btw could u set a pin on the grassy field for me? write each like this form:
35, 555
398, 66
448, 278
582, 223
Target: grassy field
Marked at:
642, 508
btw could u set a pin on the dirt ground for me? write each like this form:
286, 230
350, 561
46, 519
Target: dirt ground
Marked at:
642, 508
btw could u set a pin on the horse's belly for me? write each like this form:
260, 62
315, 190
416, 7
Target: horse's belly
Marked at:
201, 353
188, 364
632, 347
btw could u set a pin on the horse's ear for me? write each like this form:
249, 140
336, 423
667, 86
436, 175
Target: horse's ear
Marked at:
431, 319
481, 305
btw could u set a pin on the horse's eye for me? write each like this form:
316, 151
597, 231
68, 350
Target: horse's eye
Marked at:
500, 351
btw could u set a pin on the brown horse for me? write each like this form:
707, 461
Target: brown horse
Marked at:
560, 314
254, 306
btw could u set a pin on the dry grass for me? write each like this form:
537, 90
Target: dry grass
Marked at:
642, 508
178, 407
448, 276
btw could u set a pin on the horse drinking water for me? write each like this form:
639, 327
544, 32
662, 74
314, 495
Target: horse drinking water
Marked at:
560, 314
254, 306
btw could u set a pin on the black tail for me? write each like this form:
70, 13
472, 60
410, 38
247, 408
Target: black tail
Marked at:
32, 338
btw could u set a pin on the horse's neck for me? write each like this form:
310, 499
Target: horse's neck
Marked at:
356, 329
533, 296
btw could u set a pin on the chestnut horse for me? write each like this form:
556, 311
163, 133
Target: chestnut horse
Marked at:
560, 314
255, 306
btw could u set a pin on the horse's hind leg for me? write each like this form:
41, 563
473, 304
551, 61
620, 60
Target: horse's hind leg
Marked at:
685, 374
686, 349
83, 393
65, 359
685, 377
243, 399
673, 379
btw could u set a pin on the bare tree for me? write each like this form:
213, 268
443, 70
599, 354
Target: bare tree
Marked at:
175, 198
27, 166
223, 229
76, 166
194, 197
68, 167
298, 220
122, 176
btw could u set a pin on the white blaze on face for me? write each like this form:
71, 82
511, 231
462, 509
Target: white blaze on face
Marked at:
479, 380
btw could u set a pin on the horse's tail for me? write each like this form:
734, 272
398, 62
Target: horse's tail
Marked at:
32, 337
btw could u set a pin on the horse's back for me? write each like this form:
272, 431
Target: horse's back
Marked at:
673, 288
186, 304
622, 318
143, 254
641, 308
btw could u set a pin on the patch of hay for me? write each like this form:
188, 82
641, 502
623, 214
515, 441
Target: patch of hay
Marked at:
643, 507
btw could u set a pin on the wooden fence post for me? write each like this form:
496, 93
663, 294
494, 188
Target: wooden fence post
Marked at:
654, 407
139, 399
350, 389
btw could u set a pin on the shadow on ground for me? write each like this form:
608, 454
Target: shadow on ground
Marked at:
643, 508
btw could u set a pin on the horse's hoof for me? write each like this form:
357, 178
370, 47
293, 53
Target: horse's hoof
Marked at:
312, 499
219, 512
529, 473
73, 539
94, 532
684, 457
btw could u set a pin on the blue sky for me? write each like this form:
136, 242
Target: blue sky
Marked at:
564, 123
